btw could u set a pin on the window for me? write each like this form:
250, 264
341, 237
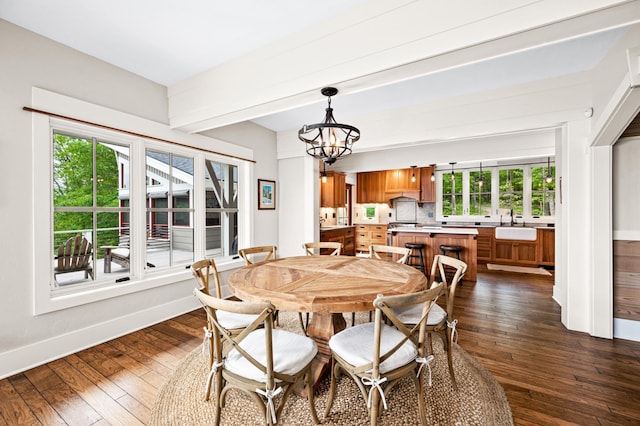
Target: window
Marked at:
527, 188
94, 183
91, 192
511, 188
221, 201
169, 231
452, 194
86, 203
543, 191
480, 193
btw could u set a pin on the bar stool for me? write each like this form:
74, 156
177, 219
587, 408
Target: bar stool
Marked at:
445, 248
416, 260
453, 249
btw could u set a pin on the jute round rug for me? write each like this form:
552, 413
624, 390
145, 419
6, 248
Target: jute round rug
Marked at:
480, 400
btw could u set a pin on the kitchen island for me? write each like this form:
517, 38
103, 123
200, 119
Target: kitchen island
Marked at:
434, 236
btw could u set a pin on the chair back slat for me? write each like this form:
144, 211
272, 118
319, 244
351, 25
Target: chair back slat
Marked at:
438, 274
75, 254
252, 255
203, 271
389, 252
315, 248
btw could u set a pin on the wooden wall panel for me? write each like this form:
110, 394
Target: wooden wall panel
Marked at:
626, 280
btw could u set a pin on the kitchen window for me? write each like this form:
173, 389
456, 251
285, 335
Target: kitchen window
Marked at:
521, 188
452, 194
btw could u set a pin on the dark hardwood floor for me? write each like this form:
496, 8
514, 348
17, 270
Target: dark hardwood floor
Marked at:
507, 321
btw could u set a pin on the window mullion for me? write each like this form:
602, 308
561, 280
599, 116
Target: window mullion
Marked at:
138, 210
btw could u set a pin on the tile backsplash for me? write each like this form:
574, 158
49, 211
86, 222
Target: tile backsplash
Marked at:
402, 210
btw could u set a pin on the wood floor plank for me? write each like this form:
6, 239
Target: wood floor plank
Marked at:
13, 408
98, 379
99, 400
72, 408
40, 408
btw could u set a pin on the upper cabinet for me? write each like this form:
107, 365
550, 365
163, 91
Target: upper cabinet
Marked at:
333, 191
402, 180
383, 186
427, 185
370, 187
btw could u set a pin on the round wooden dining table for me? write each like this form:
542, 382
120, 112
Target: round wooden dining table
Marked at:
327, 287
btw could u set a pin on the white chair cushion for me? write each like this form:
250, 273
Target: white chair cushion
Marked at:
291, 353
355, 345
231, 320
412, 314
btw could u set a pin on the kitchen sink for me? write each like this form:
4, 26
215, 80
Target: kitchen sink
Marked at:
508, 233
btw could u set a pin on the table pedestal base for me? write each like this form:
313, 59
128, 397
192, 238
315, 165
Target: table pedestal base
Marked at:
323, 325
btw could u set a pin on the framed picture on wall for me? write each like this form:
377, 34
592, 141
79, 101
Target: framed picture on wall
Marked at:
266, 194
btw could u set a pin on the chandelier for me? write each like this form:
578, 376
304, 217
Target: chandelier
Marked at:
328, 140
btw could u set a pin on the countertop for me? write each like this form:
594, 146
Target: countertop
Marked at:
435, 230
332, 227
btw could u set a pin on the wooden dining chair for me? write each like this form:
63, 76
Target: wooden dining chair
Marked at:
440, 321
261, 361
206, 275
258, 254
391, 253
377, 355
388, 253
318, 248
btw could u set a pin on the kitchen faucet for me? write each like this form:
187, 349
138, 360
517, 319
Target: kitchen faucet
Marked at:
513, 219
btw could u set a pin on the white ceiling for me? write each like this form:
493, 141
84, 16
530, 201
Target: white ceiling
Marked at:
168, 41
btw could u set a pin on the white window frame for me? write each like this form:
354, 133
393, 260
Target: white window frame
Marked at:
495, 187
46, 298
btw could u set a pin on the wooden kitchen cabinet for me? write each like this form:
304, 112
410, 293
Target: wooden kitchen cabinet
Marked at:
370, 187
485, 244
546, 247
521, 252
370, 234
398, 183
333, 191
399, 180
344, 235
427, 187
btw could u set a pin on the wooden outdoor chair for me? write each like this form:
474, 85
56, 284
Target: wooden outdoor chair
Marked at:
261, 361
440, 321
119, 254
377, 355
204, 271
75, 255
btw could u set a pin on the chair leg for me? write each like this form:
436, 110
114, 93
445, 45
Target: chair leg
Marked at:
449, 349
417, 380
375, 406
312, 405
332, 387
303, 325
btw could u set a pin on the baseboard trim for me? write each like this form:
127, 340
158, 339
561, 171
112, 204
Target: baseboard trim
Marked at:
626, 329
21, 359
